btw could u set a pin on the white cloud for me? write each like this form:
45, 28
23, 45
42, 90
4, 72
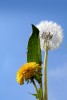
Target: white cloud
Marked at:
57, 81
52, 96
59, 72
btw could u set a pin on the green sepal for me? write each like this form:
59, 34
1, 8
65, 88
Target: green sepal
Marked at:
38, 77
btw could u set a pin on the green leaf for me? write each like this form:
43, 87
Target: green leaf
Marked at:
34, 51
34, 95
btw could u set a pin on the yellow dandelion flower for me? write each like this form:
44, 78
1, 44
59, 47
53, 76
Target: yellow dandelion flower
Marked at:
26, 71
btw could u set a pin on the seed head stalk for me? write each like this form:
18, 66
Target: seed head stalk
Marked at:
45, 74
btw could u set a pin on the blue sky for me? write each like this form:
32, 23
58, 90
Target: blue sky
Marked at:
16, 17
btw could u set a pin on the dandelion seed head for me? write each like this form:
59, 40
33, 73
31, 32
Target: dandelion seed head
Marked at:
51, 34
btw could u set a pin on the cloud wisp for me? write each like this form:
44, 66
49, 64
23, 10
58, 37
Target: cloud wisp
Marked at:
58, 72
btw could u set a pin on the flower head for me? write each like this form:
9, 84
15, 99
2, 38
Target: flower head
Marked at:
27, 71
51, 34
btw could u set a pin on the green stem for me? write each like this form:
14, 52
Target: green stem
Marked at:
35, 86
45, 74
41, 91
37, 90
